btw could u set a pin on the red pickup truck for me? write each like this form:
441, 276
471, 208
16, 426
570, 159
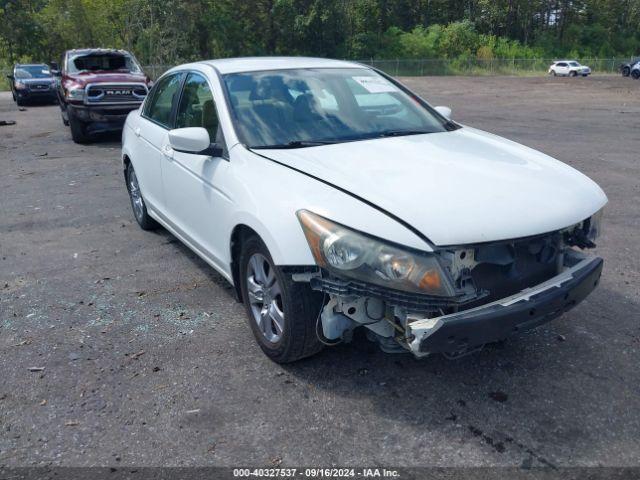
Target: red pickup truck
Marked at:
97, 90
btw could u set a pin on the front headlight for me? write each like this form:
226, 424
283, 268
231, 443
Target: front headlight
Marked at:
351, 254
20, 85
593, 226
76, 93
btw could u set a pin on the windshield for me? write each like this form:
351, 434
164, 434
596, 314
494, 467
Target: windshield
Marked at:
114, 62
307, 107
32, 71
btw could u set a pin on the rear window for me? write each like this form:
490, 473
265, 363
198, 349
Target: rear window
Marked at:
105, 62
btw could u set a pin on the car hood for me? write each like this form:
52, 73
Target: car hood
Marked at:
105, 77
460, 187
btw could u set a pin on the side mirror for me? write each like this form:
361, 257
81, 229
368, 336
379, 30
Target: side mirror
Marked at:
10, 77
193, 140
444, 111
54, 66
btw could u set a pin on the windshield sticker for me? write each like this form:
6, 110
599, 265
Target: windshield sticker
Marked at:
376, 84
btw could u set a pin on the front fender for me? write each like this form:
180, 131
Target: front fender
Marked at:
267, 196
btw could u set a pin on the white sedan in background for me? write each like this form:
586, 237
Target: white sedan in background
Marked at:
568, 68
333, 198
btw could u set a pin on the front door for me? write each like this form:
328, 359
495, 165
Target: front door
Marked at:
198, 203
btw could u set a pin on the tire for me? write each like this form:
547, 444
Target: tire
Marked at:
626, 71
78, 129
553, 72
64, 115
573, 74
635, 74
294, 304
19, 101
138, 205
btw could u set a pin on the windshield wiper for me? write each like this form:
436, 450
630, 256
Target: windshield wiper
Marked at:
296, 144
399, 133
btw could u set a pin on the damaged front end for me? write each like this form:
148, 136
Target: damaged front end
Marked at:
453, 300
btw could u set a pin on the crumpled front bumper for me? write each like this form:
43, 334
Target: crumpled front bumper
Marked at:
464, 331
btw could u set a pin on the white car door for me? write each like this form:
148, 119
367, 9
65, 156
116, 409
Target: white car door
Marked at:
152, 134
562, 68
196, 186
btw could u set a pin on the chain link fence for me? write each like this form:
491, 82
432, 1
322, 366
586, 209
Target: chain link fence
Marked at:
466, 66
442, 66
481, 66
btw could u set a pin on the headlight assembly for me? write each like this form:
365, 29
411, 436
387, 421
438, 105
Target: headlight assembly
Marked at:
75, 93
351, 254
593, 225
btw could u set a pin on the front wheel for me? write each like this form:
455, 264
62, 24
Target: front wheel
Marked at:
78, 128
635, 74
283, 314
137, 201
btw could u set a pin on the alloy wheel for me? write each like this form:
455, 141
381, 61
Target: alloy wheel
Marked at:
265, 297
136, 197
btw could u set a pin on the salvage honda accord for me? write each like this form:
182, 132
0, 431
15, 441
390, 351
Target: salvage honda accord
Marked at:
332, 198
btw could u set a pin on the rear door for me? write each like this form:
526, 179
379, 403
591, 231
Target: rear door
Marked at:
153, 139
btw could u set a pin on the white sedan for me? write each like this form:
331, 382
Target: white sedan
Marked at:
568, 68
334, 198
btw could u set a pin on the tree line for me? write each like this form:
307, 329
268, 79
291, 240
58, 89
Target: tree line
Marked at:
172, 31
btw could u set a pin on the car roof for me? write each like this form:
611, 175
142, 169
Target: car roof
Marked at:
567, 61
252, 64
31, 65
81, 51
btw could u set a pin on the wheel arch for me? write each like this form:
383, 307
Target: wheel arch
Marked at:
238, 235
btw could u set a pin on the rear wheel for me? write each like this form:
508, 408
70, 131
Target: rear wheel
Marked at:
573, 73
137, 201
626, 71
282, 313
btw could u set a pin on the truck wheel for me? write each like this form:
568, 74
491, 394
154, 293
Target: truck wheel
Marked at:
78, 129
64, 115
282, 313
137, 200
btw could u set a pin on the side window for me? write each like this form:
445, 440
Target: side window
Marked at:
197, 108
561, 64
160, 104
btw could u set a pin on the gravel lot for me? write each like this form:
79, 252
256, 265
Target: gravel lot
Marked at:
148, 360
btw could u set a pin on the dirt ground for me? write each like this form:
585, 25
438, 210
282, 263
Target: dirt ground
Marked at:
142, 356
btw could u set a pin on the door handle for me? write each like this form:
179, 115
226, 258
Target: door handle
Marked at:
137, 131
167, 151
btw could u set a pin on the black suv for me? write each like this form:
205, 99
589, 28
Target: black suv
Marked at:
32, 82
